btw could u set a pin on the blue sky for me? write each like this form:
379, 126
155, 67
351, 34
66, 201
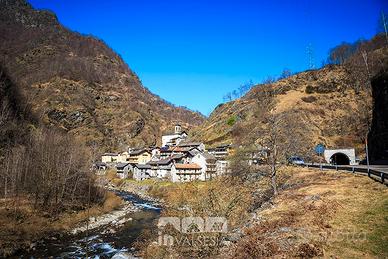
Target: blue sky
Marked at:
193, 52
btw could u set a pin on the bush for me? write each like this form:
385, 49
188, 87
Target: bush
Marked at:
309, 89
232, 120
309, 99
111, 202
322, 88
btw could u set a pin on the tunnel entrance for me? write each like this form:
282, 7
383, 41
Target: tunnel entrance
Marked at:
340, 159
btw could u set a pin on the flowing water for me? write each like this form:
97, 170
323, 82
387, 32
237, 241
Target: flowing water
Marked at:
103, 242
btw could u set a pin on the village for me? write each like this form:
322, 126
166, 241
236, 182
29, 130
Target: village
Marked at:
182, 160
177, 160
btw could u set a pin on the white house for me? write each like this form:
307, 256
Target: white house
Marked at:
186, 173
109, 157
172, 139
123, 157
122, 170
221, 152
207, 162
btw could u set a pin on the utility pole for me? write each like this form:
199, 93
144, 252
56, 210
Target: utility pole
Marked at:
367, 154
385, 25
310, 56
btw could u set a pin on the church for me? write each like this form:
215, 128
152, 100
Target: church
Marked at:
174, 138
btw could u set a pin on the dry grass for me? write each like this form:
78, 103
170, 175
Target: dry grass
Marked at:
318, 214
323, 116
201, 199
326, 214
113, 178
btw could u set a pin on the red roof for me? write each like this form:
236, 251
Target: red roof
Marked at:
192, 166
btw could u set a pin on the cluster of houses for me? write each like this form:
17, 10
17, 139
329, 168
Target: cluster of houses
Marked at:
178, 160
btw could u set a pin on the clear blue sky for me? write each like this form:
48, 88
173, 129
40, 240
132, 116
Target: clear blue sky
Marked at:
192, 52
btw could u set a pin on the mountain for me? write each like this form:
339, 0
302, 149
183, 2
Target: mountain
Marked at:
331, 105
77, 83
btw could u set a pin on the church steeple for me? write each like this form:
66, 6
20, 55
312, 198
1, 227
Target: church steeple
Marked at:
178, 129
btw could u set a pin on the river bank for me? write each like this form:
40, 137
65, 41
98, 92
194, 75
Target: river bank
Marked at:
109, 234
26, 231
22, 226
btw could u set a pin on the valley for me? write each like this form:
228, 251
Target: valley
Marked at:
93, 164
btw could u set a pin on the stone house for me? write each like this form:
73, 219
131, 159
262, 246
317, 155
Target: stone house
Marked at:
123, 170
161, 169
222, 167
141, 172
221, 152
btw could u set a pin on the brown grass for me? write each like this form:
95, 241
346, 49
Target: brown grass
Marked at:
200, 199
113, 178
326, 214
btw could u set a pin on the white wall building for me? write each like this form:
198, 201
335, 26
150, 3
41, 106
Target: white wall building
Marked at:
207, 162
174, 138
186, 173
123, 157
109, 157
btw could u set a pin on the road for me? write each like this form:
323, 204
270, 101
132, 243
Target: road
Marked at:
376, 171
380, 168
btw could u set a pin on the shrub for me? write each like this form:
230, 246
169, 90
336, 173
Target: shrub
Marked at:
111, 202
232, 120
309, 99
309, 89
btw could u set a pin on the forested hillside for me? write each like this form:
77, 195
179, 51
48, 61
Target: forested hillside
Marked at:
77, 83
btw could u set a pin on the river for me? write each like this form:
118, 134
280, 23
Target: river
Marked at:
100, 243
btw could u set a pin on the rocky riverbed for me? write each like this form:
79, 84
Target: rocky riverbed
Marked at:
105, 236
112, 219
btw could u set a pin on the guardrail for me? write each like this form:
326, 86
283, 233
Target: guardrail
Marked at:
371, 172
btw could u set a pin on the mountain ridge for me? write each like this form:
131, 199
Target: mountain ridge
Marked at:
77, 83
331, 105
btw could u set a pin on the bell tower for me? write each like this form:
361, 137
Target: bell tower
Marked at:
178, 129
